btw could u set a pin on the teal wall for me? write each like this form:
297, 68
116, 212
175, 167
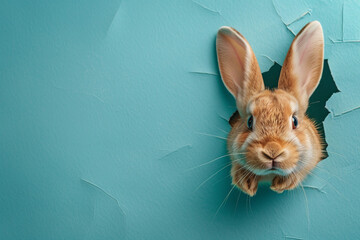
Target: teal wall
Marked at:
107, 108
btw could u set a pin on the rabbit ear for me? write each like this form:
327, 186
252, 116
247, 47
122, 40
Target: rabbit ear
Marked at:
238, 66
303, 65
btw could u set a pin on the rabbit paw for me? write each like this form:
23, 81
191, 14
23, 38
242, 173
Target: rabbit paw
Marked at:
281, 183
244, 179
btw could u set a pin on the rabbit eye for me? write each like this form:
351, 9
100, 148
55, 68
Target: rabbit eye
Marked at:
294, 122
250, 122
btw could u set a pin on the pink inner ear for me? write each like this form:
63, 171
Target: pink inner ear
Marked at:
303, 51
307, 58
241, 62
232, 56
239, 69
303, 61
238, 50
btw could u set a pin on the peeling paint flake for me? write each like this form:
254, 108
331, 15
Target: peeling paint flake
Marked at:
345, 70
345, 112
291, 11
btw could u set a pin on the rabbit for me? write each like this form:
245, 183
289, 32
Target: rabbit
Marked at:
271, 138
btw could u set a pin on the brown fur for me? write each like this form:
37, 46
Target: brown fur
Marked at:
272, 143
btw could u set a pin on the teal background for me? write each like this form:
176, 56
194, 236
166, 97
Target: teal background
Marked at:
107, 109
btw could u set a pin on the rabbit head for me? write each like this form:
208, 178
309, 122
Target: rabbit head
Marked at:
270, 131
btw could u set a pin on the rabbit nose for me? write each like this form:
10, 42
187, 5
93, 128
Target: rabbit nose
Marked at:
272, 151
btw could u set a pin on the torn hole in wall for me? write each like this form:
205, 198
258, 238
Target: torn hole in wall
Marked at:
316, 110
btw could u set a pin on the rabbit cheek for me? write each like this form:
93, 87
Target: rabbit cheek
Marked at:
252, 157
242, 138
292, 159
307, 155
236, 143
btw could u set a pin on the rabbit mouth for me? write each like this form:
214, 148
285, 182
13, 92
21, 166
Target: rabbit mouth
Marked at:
271, 171
280, 171
276, 171
265, 170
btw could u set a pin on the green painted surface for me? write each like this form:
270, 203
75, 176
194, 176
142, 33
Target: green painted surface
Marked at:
105, 107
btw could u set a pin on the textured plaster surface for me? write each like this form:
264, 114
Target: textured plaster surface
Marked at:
113, 121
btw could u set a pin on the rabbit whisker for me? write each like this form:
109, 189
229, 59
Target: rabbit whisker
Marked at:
307, 206
213, 160
212, 135
225, 199
222, 130
237, 201
211, 176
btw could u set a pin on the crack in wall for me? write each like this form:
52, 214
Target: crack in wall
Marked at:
292, 237
207, 8
179, 149
113, 19
205, 73
104, 192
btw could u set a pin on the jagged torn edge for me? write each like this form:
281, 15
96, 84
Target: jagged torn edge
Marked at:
287, 25
332, 40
